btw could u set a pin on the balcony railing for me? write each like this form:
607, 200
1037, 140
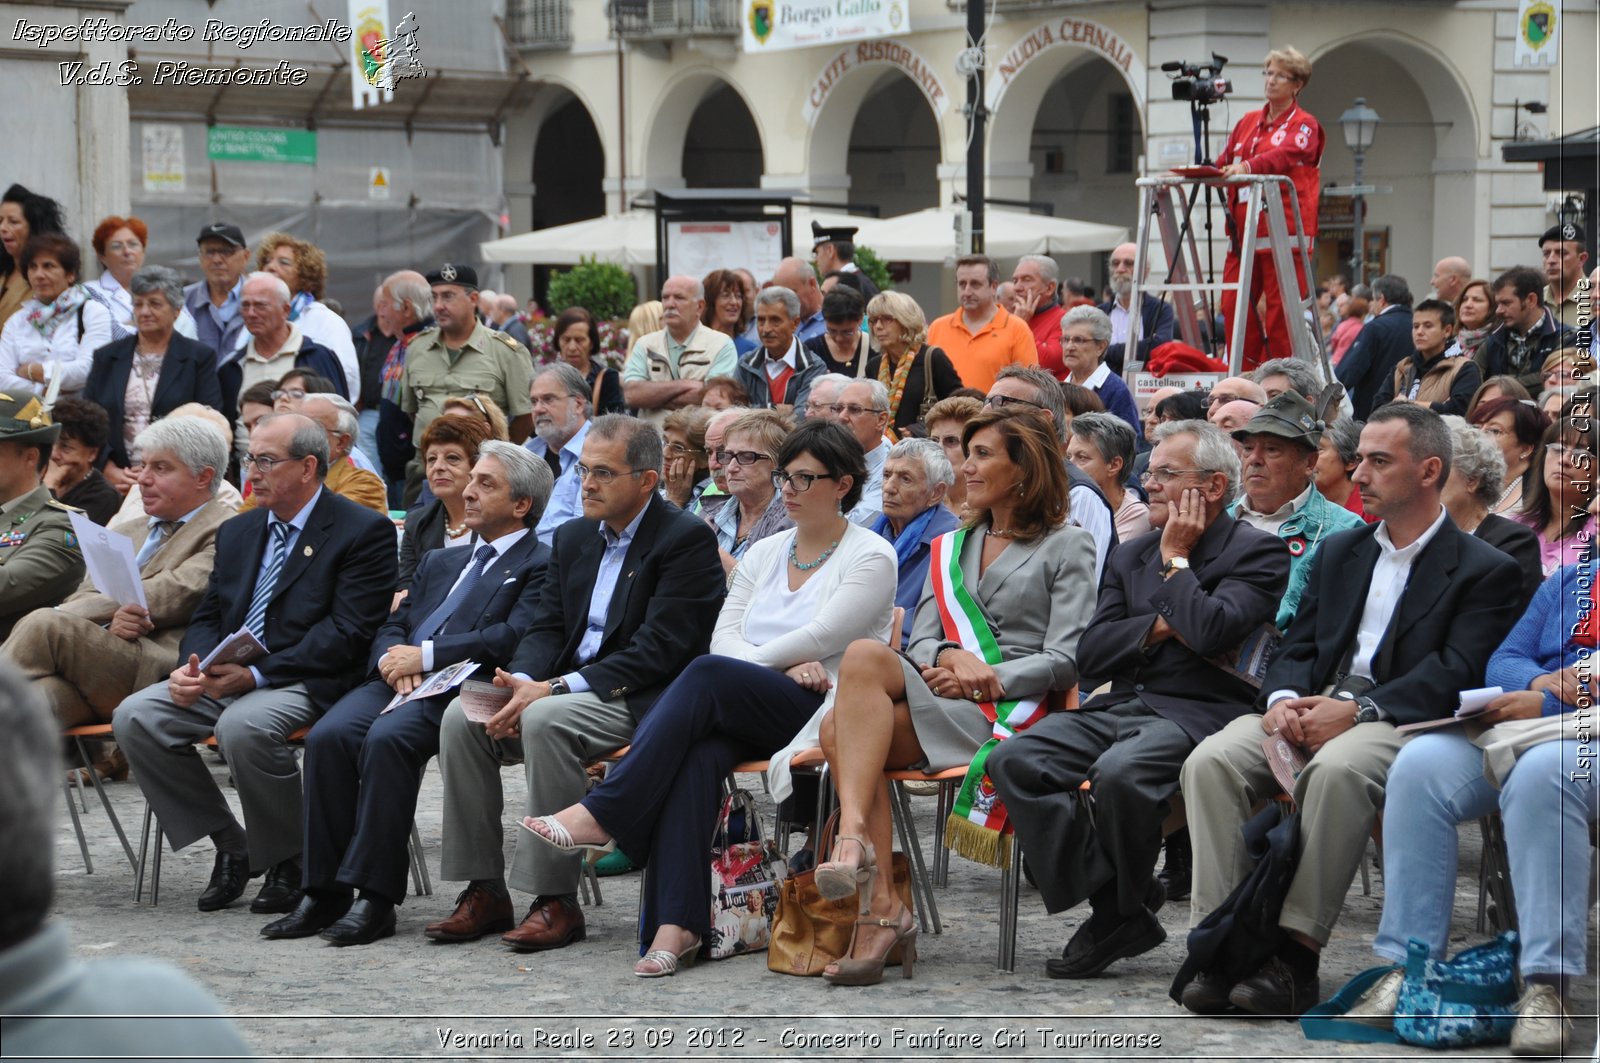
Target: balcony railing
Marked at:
539, 23
675, 19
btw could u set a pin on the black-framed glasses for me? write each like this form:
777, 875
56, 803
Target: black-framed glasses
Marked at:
289, 393
800, 481
602, 475
265, 462
743, 457
1006, 402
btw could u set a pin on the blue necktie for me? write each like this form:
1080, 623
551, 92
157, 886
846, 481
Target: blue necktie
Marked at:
439, 616
159, 534
267, 582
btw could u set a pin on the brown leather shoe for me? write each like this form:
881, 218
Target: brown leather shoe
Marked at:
478, 912
551, 923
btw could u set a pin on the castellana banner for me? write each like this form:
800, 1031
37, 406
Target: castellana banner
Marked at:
774, 25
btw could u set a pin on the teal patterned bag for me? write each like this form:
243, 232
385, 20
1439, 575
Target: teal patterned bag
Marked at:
1470, 1000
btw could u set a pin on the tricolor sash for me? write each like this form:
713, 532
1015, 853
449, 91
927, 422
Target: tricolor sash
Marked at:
979, 819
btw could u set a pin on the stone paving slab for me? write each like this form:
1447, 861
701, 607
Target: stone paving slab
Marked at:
407, 997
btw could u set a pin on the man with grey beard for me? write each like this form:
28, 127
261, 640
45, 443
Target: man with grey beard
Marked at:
560, 398
1155, 322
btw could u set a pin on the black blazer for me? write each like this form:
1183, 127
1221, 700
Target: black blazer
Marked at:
329, 600
1237, 575
490, 620
927, 360
1457, 606
424, 532
1380, 346
188, 374
1522, 543
661, 615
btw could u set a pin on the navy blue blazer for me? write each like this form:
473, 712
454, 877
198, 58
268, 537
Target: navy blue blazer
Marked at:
188, 374
1379, 347
661, 614
1156, 325
330, 598
490, 620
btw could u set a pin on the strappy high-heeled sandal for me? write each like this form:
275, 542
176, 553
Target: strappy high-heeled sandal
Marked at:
838, 879
666, 962
560, 838
868, 970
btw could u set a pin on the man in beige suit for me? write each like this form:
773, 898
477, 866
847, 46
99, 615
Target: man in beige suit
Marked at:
90, 652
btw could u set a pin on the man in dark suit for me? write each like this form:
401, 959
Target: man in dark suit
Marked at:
1380, 345
629, 599
1156, 322
1173, 604
1398, 616
364, 761
310, 575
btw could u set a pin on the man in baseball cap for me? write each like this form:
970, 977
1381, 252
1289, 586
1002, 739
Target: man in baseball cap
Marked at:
1561, 247
213, 303
1278, 494
40, 563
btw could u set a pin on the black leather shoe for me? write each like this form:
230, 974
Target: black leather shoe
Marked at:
1274, 990
365, 922
1176, 870
1155, 895
311, 916
1207, 994
228, 877
1084, 957
281, 892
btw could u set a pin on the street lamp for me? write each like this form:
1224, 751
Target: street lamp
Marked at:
1360, 126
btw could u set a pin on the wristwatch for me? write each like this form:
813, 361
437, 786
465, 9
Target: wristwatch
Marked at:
1367, 710
1177, 564
559, 686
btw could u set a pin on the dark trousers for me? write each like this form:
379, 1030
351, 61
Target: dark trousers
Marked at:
362, 774
660, 802
1131, 757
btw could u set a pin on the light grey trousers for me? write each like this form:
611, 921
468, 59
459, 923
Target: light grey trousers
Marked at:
253, 730
559, 736
1339, 795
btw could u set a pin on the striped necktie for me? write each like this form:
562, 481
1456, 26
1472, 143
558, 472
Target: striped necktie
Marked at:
440, 616
267, 582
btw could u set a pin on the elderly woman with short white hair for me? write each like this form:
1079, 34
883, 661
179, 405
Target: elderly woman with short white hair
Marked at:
916, 477
916, 375
1085, 335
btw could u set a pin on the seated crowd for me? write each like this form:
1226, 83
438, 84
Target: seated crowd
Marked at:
1092, 600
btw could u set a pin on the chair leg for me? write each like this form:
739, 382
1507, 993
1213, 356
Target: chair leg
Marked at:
921, 884
144, 849
590, 884
941, 851
151, 835
1010, 900
105, 801
419, 866
77, 826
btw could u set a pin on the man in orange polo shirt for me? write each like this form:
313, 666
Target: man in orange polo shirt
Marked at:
982, 337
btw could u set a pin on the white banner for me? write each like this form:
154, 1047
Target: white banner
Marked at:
1538, 33
1147, 384
774, 25
369, 48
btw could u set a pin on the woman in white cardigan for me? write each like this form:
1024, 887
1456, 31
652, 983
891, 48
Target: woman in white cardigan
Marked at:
799, 597
55, 334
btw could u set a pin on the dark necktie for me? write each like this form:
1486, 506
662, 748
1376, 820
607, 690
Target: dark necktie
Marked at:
552, 458
441, 615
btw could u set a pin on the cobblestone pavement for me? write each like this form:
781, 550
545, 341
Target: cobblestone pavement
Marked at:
407, 997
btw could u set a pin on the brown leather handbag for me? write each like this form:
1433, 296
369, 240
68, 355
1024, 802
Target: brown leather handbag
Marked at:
810, 932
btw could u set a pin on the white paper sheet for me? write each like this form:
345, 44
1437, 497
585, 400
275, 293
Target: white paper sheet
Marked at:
110, 558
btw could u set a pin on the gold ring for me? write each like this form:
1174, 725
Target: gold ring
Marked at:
976, 693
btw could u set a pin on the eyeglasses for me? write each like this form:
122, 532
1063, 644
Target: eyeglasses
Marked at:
219, 252
1073, 341
1576, 455
844, 333
743, 457
288, 393
1166, 475
947, 442
850, 409
265, 462
678, 450
603, 475
816, 408
1275, 75
124, 245
800, 481
1006, 402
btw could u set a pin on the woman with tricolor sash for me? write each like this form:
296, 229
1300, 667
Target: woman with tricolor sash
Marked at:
993, 642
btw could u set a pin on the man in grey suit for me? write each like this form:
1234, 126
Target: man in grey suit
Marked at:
630, 597
1172, 603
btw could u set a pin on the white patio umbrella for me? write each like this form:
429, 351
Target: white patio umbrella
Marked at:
929, 235
626, 239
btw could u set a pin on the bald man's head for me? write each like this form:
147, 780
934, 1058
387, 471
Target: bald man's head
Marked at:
798, 276
1450, 275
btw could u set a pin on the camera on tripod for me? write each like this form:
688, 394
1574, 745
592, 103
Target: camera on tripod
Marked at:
1199, 83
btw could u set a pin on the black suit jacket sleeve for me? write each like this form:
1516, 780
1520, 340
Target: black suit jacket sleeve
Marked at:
1521, 543
544, 642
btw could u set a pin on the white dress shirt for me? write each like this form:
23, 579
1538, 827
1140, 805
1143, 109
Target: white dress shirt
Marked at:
500, 546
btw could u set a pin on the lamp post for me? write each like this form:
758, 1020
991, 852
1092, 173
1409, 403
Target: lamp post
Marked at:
1360, 125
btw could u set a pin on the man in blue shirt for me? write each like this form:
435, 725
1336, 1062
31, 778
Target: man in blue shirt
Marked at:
560, 398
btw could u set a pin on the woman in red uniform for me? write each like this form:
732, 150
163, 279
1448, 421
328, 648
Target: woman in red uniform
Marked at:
1281, 138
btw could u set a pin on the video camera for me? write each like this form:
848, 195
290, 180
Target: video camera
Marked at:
1199, 83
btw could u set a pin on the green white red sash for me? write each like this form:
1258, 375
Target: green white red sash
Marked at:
978, 821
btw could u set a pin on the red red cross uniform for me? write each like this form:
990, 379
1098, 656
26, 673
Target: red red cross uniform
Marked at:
1292, 146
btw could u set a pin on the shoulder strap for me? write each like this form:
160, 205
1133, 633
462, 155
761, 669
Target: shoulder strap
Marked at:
599, 382
80, 319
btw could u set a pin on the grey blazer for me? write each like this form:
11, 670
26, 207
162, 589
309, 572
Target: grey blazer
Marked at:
1037, 597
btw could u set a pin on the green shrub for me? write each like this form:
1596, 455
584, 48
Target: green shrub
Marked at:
868, 262
605, 289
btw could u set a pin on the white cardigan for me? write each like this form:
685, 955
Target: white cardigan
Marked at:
856, 596
20, 342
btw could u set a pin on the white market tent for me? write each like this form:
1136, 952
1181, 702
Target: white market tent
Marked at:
930, 235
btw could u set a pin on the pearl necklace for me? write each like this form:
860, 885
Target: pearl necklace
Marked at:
794, 556
453, 532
